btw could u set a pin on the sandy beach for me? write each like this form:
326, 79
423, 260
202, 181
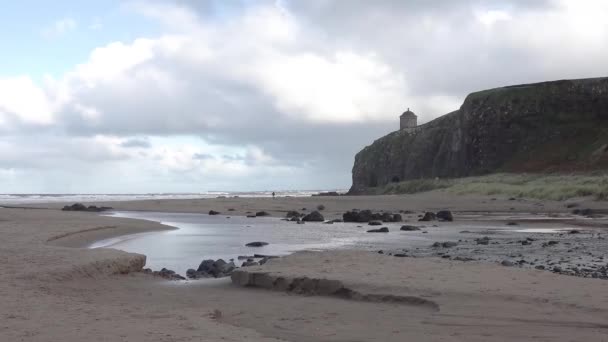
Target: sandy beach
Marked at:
55, 289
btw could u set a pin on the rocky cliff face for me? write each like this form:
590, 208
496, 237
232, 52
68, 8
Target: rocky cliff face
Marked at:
542, 127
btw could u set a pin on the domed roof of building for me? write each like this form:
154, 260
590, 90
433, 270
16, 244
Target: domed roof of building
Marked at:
408, 112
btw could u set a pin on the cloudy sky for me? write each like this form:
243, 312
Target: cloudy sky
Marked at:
188, 96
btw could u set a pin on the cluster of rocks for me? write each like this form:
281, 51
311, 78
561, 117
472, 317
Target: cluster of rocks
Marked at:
583, 212
165, 273
362, 216
442, 215
82, 207
295, 216
212, 269
580, 254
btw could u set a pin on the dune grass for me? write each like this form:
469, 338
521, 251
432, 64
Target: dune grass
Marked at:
539, 186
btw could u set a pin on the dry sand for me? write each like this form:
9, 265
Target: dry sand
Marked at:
51, 290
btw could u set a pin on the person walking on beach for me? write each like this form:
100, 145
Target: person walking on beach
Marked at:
273, 194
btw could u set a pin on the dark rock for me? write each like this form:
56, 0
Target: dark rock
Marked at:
379, 230
583, 212
549, 243
256, 244
507, 263
250, 263
447, 244
375, 223
539, 267
400, 255
445, 215
483, 241
428, 216
409, 228
210, 268
251, 216
168, 274
314, 216
213, 212
357, 216
512, 224
293, 214
82, 207
396, 218
320, 207
574, 231
262, 213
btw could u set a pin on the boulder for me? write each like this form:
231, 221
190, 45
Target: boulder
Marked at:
210, 268
445, 215
447, 244
375, 223
583, 212
357, 216
379, 230
82, 207
262, 213
292, 213
408, 228
75, 207
213, 212
507, 263
314, 216
428, 216
483, 241
256, 244
168, 274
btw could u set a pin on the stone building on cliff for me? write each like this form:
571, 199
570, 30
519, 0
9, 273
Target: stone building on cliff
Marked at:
408, 121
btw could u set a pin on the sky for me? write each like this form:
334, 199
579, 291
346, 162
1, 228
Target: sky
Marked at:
190, 96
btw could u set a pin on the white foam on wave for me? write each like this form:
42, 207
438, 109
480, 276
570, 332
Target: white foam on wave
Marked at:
44, 198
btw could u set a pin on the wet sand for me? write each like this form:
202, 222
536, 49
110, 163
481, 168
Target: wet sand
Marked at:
52, 290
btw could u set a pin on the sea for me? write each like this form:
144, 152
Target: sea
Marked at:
8, 199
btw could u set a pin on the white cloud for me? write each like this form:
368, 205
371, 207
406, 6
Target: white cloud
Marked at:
59, 28
280, 93
22, 99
